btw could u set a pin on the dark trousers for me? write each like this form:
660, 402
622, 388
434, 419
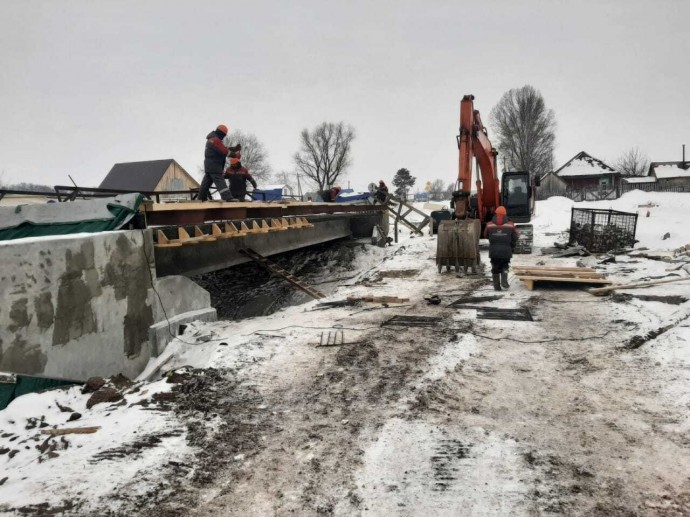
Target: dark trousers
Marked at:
216, 178
499, 266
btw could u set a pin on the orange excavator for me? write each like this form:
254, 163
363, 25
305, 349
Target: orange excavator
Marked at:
458, 238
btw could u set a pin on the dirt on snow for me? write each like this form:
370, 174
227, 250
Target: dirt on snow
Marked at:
554, 416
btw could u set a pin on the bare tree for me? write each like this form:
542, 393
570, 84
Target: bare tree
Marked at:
29, 187
449, 190
437, 190
254, 154
325, 153
525, 130
633, 163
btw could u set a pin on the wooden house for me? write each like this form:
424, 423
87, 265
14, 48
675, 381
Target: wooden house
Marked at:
671, 174
584, 172
551, 185
150, 176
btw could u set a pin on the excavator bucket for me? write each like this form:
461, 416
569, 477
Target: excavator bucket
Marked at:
458, 244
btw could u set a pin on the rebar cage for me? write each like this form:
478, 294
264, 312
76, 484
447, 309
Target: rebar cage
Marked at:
602, 230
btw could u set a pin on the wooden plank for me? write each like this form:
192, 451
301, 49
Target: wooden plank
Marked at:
540, 268
604, 290
559, 274
71, 430
198, 205
564, 279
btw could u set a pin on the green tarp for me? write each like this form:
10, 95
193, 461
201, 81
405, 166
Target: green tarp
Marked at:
89, 216
13, 386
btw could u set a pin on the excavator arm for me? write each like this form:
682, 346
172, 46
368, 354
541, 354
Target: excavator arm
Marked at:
458, 239
473, 142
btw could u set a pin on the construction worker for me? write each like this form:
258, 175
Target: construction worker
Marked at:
381, 194
214, 163
329, 196
503, 237
238, 176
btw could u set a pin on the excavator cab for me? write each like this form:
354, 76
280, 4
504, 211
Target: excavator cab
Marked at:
517, 196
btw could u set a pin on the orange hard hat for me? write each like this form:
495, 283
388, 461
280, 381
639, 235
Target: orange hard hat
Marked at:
234, 161
501, 210
222, 128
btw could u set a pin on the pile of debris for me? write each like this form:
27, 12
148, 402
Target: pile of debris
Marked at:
600, 238
683, 251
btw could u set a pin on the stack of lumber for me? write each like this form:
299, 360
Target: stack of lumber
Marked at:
583, 275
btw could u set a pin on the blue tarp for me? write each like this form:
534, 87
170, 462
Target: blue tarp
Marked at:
275, 194
351, 198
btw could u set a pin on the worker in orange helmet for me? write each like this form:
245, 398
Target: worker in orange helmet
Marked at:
238, 176
503, 237
329, 196
215, 155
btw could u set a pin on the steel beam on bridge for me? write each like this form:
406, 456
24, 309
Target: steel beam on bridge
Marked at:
198, 212
205, 256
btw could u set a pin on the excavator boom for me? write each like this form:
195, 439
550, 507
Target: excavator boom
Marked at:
473, 142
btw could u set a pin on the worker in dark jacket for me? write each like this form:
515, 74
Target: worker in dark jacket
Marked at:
329, 196
502, 237
238, 176
381, 194
214, 163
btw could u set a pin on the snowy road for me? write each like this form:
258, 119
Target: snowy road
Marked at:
470, 417
467, 416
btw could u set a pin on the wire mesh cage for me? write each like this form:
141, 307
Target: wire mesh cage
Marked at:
602, 230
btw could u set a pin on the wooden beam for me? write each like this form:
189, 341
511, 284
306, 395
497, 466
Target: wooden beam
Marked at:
603, 290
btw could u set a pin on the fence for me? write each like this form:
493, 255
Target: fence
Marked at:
594, 194
654, 187
602, 230
598, 194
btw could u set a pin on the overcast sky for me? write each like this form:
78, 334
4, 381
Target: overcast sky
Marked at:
86, 84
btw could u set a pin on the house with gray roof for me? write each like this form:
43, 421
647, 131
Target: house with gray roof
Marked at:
149, 176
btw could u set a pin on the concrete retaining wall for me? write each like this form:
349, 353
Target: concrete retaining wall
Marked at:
78, 306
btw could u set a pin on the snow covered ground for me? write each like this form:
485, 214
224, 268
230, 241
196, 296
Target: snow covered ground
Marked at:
467, 416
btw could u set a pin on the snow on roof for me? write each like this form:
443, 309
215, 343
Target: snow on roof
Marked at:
583, 164
640, 179
670, 171
274, 187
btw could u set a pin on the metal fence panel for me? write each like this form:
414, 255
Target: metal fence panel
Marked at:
602, 230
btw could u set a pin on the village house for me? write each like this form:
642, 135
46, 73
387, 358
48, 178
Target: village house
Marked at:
671, 174
150, 176
551, 185
584, 172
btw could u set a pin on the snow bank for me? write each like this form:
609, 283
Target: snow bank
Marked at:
668, 213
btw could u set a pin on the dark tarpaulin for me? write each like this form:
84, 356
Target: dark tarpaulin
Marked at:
13, 386
88, 216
